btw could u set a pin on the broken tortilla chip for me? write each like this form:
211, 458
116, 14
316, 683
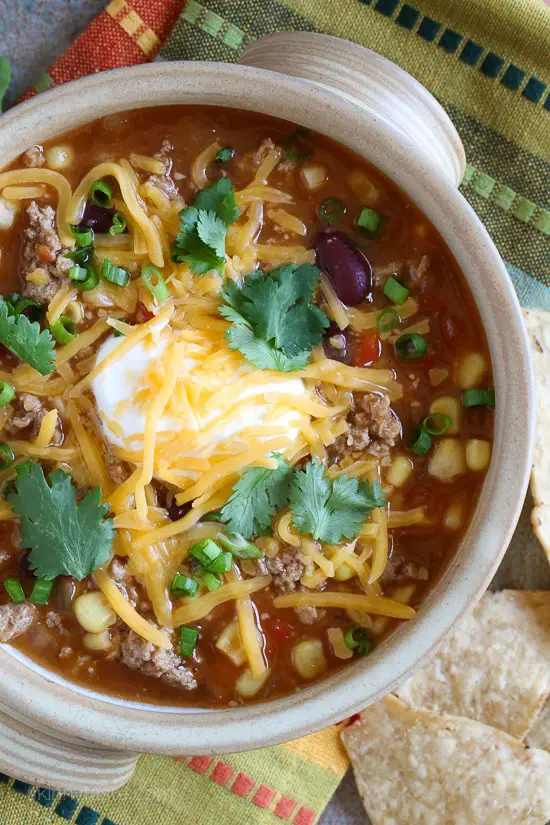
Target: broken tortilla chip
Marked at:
538, 328
495, 667
423, 768
539, 735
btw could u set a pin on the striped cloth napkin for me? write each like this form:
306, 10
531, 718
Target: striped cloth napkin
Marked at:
487, 61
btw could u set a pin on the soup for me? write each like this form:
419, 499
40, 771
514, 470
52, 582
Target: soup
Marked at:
246, 406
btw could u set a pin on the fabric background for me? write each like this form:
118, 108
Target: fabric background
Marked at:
487, 61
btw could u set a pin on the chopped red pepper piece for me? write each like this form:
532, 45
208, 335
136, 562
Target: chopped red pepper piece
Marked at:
367, 350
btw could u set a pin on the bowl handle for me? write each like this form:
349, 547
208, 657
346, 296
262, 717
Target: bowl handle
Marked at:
40, 757
371, 82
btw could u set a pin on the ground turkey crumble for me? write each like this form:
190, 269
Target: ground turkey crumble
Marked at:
286, 570
373, 427
34, 157
399, 569
27, 410
308, 614
43, 251
164, 182
15, 619
138, 654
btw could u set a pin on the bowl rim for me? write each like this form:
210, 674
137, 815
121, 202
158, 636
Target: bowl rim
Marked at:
42, 698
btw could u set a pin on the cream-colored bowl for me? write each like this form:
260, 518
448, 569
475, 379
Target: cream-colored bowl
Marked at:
55, 733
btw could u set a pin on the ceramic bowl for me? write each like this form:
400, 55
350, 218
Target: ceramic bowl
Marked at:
56, 734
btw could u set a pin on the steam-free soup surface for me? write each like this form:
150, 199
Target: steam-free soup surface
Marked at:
287, 459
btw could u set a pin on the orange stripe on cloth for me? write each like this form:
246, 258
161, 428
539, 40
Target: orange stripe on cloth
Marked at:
125, 34
324, 749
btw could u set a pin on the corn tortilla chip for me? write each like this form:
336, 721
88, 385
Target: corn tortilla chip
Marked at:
495, 667
538, 328
417, 767
539, 735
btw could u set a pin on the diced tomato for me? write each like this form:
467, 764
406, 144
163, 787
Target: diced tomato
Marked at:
367, 350
428, 362
144, 313
277, 629
354, 718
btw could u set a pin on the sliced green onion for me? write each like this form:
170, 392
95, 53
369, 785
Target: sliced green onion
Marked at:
64, 330
387, 319
369, 219
12, 300
478, 398
155, 283
210, 580
101, 193
15, 590
420, 441
205, 552
23, 304
221, 564
116, 332
213, 515
92, 279
6, 393
225, 154
188, 640
41, 591
7, 456
238, 545
183, 586
411, 345
115, 274
357, 639
119, 224
9, 488
78, 274
331, 209
83, 235
436, 423
395, 290
293, 146
81, 255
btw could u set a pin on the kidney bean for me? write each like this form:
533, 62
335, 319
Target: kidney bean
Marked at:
24, 564
347, 267
98, 218
336, 344
177, 511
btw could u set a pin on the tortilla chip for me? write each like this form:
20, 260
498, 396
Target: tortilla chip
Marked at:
423, 768
495, 667
538, 328
539, 735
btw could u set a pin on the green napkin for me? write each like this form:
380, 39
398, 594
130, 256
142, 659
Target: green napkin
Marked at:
486, 61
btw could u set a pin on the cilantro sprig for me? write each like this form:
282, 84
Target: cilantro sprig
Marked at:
256, 497
328, 510
25, 340
201, 241
274, 323
331, 510
65, 538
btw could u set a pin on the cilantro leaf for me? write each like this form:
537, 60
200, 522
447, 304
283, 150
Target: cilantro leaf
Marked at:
201, 241
274, 324
263, 355
24, 339
211, 230
219, 198
331, 510
65, 539
256, 497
